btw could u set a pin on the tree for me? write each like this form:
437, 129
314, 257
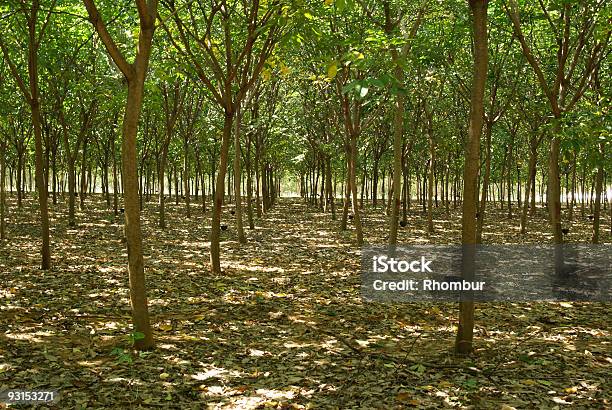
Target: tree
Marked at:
173, 96
478, 9
228, 45
30, 92
135, 74
580, 46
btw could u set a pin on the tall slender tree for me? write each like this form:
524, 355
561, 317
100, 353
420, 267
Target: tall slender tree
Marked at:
30, 90
134, 74
478, 9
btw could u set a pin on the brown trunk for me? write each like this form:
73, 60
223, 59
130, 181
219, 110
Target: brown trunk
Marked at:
2, 190
161, 197
554, 195
398, 132
249, 172
530, 186
18, 180
257, 175
347, 194
598, 189
83, 189
237, 178
463, 342
41, 184
135, 75
186, 177
330, 200
115, 185
215, 235
353, 185
430, 182
573, 199
509, 175
138, 294
485, 181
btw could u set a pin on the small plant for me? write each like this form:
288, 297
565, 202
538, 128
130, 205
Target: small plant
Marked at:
125, 355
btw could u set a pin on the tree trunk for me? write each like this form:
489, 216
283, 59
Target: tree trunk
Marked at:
398, 132
346, 194
353, 186
249, 171
135, 74
573, 199
509, 175
133, 233
330, 200
83, 188
115, 185
237, 178
257, 176
186, 176
554, 196
161, 193
530, 187
375, 184
598, 189
2, 191
54, 177
430, 182
485, 181
463, 343
215, 235
41, 184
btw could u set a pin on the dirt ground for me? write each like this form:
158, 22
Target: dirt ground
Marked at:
284, 326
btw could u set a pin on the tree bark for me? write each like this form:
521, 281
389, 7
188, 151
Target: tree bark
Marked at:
530, 186
430, 181
237, 177
41, 184
186, 176
83, 189
485, 181
2, 190
135, 75
398, 133
465, 331
215, 235
554, 195
573, 198
598, 188
353, 185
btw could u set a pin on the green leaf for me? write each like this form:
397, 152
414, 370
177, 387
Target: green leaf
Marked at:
332, 70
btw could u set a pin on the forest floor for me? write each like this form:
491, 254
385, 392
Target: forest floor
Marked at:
284, 326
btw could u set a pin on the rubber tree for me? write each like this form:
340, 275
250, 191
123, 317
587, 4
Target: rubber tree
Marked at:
228, 45
577, 40
465, 330
3, 145
134, 74
30, 91
173, 96
399, 57
3, 154
85, 115
394, 22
